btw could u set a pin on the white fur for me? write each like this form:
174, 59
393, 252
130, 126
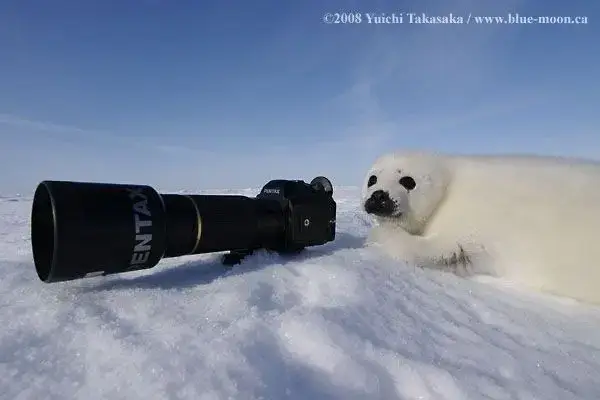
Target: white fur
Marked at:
533, 220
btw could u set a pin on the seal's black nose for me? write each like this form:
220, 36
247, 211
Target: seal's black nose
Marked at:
380, 195
379, 203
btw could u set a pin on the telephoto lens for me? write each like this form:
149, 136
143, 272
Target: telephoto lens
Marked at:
84, 229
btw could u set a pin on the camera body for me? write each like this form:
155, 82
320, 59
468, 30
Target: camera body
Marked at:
308, 210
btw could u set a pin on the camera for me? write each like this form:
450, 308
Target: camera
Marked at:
84, 229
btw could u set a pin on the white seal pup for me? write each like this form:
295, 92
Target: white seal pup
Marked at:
531, 219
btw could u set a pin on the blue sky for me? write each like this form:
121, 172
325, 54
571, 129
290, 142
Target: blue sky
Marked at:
218, 94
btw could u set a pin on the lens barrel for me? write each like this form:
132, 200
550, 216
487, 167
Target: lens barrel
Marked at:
227, 222
82, 229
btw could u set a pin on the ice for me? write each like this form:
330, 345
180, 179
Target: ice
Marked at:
340, 321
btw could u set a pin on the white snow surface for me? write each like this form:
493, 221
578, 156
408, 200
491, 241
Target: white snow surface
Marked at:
338, 322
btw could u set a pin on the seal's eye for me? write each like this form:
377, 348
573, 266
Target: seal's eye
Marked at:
408, 182
372, 181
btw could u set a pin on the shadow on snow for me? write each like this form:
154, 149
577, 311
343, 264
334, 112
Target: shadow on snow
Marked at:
201, 272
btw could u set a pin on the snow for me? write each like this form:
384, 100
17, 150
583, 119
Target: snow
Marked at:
338, 322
